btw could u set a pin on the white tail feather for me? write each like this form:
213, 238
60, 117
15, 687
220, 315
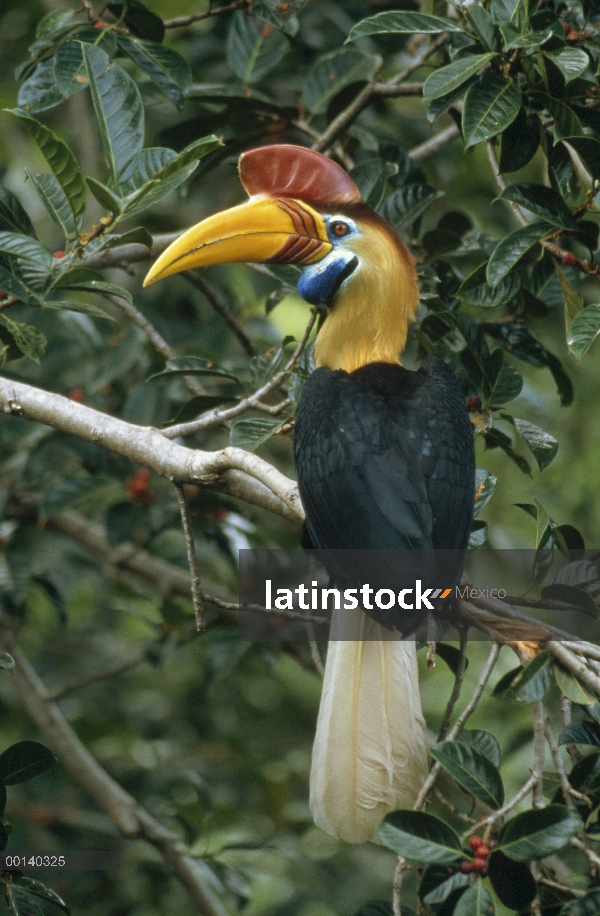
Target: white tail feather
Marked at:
369, 755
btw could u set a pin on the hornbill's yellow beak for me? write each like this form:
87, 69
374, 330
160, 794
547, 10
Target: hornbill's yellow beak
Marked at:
265, 229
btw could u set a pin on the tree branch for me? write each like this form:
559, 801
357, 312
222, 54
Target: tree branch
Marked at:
131, 819
182, 21
196, 587
233, 470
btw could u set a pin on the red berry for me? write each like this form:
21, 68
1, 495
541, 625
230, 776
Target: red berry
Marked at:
477, 864
465, 867
3, 295
475, 841
137, 487
573, 36
58, 255
77, 394
474, 404
569, 259
566, 27
483, 851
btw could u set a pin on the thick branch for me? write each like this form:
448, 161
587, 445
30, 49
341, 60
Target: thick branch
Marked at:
130, 818
233, 470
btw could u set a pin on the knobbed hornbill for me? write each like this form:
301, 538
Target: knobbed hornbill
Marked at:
384, 456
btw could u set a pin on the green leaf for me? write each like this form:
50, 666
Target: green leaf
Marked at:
62, 162
29, 340
583, 330
119, 111
572, 62
22, 246
89, 281
13, 285
24, 888
588, 149
192, 365
566, 122
402, 23
483, 25
105, 197
445, 80
137, 236
52, 23
254, 47
71, 305
371, 178
139, 19
420, 837
250, 433
512, 881
514, 40
573, 299
476, 292
172, 170
543, 446
529, 684
40, 91
520, 141
471, 770
405, 205
449, 654
332, 72
536, 834
439, 881
165, 67
13, 217
582, 906
23, 761
56, 203
569, 685
544, 202
476, 901
483, 742
509, 250
7, 662
581, 733
491, 104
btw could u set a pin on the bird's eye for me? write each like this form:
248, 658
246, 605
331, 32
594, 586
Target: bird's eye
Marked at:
340, 228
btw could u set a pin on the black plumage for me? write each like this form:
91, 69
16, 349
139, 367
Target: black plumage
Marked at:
385, 459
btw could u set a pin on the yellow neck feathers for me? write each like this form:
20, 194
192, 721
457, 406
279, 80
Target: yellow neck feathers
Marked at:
370, 317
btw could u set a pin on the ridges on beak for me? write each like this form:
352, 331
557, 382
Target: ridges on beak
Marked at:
263, 230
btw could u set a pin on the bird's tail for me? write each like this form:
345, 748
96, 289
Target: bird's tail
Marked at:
369, 755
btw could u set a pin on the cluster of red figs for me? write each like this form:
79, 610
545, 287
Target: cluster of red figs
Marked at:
138, 489
482, 853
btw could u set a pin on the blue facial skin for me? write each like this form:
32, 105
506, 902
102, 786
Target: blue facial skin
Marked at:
320, 282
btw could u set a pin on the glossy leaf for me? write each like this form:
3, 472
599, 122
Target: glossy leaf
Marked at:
572, 62
165, 67
439, 881
471, 770
509, 251
583, 331
583, 906
525, 41
13, 216
529, 684
119, 112
512, 881
450, 654
252, 432
476, 292
139, 19
24, 888
445, 80
420, 837
543, 446
405, 205
56, 203
491, 104
40, 90
332, 72
571, 687
105, 197
15, 286
483, 25
476, 901
588, 148
254, 47
23, 761
62, 162
536, 834
22, 246
192, 365
483, 742
138, 236
403, 22
7, 662
584, 732
371, 178
566, 122
485, 484
544, 202
520, 141
84, 308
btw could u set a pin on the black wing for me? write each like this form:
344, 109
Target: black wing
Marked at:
385, 459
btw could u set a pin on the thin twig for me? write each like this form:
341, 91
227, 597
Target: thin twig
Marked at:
456, 687
221, 308
487, 822
574, 891
186, 523
401, 867
434, 144
182, 21
431, 640
223, 414
565, 715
